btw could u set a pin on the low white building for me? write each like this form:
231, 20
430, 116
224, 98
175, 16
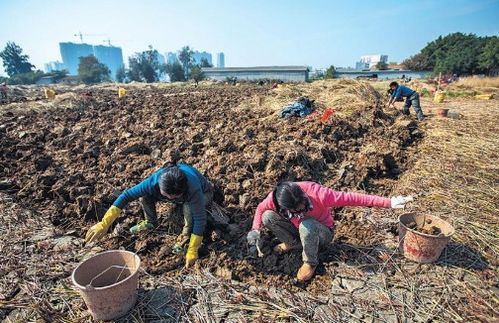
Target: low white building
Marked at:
283, 73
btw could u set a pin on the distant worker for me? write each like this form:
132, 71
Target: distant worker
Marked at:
180, 184
412, 98
299, 215
3, 91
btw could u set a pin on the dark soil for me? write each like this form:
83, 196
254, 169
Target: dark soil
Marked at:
425, 228
71, 164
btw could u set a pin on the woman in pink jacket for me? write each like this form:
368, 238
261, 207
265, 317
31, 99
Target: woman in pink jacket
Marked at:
299, 215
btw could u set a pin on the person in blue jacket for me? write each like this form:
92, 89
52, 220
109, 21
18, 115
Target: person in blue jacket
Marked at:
181, 184
412, 98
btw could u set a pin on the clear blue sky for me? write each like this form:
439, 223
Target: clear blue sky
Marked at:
256, 32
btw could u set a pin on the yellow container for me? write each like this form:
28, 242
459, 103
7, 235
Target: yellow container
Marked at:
121, 92
484, 96
49, 93
439, 97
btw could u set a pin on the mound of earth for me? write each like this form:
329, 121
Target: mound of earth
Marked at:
70, 164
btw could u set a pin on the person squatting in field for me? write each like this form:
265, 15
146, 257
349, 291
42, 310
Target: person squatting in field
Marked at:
180, 184
412, 99
299, 215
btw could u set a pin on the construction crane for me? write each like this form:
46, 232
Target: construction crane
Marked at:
80, 35
108, 41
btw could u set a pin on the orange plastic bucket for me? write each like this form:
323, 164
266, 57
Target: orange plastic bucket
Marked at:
108, 283
442, 112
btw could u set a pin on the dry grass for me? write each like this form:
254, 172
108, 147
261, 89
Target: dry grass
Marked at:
345, 96
456, 174
220, 300
478, 82
486, 85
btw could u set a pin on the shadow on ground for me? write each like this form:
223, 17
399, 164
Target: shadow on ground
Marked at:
459, 255
163, 304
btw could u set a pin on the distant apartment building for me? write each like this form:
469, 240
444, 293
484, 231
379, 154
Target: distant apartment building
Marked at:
53, 66
171, 58
110, 56
198, 56
71, 53
370, 61
220, 59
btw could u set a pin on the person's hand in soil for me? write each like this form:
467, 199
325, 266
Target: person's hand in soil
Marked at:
399, 202
253, 236
181, 241
100, 229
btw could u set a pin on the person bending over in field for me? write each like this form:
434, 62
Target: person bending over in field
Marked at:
412, 98
180, 184
299, 215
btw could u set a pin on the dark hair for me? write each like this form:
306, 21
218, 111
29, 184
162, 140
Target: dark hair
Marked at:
173, 181
394, 84
288, 196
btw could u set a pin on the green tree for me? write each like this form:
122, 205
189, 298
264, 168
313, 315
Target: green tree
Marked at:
121, 74
197, 74
317, 75
489, 58
26, 78
14, 61
381, 65
58, 75
330, 72
145, 66
205, 63
185, 58
175, 72
455, 53
134, 73
91, 71
418, 62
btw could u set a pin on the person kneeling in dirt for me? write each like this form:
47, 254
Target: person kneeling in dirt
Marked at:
180, 184
412, 98
301, 211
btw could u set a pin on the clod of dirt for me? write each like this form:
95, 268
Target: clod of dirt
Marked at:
433, 230
224, 273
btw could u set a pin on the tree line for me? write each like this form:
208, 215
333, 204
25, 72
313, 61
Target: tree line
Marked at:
20, 70
457, 53
145, 67
142, 67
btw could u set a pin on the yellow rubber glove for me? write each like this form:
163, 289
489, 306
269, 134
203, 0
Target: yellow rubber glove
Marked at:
99, 229
192, 251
